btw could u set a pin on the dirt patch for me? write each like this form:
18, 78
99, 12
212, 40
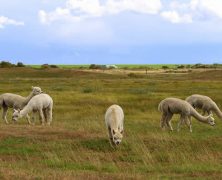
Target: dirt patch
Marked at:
42, 132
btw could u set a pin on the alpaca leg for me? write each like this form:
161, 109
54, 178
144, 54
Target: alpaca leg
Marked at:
45, 115
28, 119
33, 118
188, 123
110, 137
50, 116
162, 120
4, 114
168, 121
181, 121
110, 133
42, 116
204, 112
209, 112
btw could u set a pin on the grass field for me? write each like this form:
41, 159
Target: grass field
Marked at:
122, 66
76, 146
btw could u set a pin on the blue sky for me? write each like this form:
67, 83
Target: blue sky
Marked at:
111, 31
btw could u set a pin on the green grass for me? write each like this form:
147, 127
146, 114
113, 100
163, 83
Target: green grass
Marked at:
122, 66
65, 66
76, 146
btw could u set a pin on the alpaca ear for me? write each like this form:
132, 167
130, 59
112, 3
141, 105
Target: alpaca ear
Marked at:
121, 132
16, 110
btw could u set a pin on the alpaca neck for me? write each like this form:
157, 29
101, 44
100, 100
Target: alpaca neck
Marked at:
25, 111
217, 111
27, 99
197, 116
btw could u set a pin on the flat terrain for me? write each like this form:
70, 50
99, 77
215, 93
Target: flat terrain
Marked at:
76, 146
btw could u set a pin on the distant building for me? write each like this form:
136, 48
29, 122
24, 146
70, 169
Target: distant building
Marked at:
111, 66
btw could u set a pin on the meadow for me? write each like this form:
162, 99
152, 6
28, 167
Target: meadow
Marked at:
121, 66
76, 145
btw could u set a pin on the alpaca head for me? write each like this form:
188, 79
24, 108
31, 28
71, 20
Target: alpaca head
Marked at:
117, 137
210, 120
36, 90
15, 115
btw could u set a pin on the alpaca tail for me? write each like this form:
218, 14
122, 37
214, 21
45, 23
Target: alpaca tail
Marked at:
1, 101
160, 108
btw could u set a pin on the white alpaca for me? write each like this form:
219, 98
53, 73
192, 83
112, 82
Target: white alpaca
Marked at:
41, 103
114, 118
170, 106
9, 100
204, 103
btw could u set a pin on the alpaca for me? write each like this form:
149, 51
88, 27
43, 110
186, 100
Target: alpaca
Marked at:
41, 103
9, 100
204, 103
114, 118
170, 106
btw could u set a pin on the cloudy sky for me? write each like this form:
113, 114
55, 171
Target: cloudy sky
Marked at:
111, 31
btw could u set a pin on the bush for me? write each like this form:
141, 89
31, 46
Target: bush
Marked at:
165, 67
20, 64
6, 64
45, 66
53, 66
95, 66
181, 67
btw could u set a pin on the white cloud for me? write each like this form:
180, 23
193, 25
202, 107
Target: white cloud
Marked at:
59, 14
4, 21
194, 10
139, 6
211, 7
173, 11
175, 17
87, 7
84, 9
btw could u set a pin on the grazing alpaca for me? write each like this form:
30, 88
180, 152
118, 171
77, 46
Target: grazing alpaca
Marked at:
170, 106
204, 103
114, 122
41, 103
9, 100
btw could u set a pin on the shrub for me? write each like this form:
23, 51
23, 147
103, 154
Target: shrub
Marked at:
95, 66
45, 66
165, 67
181, 67
6, 64
20, 64
53, 66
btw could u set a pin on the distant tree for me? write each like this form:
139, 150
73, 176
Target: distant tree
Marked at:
45, 66
181, 67
188, 66
53, 66
6, 64
20, 64
215, 65
165, 67
96, 66
93, 66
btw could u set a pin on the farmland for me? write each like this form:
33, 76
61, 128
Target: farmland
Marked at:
77, 146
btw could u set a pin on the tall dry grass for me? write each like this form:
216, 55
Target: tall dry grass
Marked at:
77, 146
